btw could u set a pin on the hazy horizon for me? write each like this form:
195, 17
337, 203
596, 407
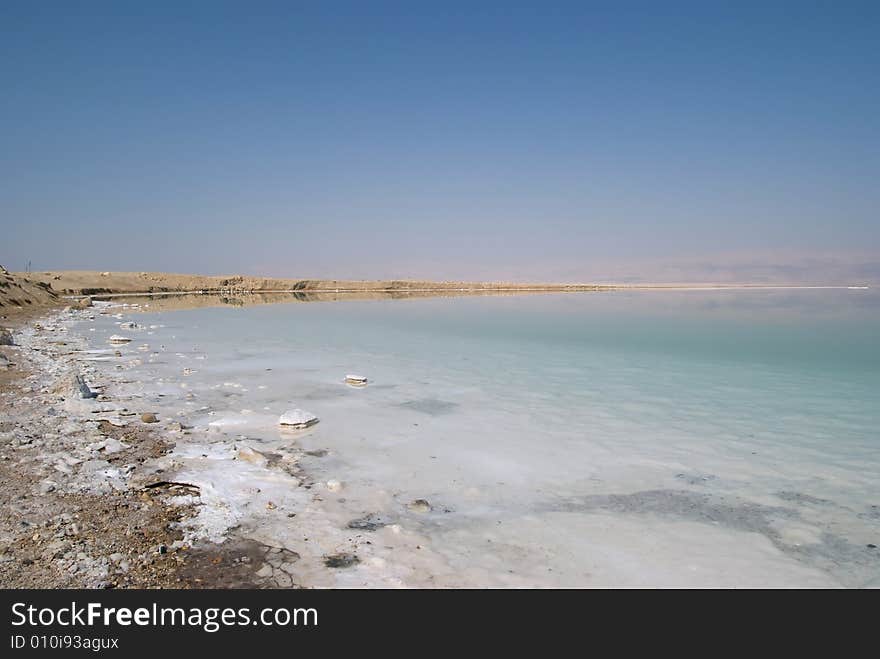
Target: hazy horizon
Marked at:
537, 142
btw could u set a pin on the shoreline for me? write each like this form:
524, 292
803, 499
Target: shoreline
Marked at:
88, 500
96, 496
488, 291
106, 284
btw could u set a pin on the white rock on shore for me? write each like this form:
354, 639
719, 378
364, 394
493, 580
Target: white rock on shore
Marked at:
356, 380
119, 339
297, 419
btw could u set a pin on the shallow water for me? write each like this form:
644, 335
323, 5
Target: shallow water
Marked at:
683, 438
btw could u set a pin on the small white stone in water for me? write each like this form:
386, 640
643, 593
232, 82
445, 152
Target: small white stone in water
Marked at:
334, 485
116, 338
298, 419
359, 380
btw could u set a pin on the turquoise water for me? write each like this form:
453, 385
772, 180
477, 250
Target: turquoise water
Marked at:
611, 439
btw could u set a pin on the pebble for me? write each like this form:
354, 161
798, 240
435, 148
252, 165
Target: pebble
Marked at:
149, 417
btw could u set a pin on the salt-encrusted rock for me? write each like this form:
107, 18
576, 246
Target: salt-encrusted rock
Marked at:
149, 417
6, 338
297, 419
84, 390
116, 338
356, 380
129, 326
334, 485
419, 506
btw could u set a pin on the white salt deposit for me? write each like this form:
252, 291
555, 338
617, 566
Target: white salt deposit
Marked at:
297, 419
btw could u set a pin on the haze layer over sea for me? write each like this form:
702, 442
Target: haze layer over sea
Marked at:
661, 438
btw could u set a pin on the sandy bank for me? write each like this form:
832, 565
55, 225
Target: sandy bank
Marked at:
86, 282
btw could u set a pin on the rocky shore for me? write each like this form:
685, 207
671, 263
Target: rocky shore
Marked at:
87, 501
104, 486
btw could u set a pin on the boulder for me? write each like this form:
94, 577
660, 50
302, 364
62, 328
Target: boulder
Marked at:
149, 417
84, 303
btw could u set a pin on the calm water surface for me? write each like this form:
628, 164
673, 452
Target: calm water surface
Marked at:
610, 439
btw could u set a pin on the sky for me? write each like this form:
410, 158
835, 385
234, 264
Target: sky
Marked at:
547, 141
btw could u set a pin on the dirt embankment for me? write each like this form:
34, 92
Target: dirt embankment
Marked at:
19, 293
86, 282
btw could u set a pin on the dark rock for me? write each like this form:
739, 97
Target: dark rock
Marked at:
369, 522
341, 560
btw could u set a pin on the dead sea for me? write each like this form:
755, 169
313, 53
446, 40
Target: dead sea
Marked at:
577, 440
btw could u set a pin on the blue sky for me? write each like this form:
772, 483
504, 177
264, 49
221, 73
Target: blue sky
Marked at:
490, 140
